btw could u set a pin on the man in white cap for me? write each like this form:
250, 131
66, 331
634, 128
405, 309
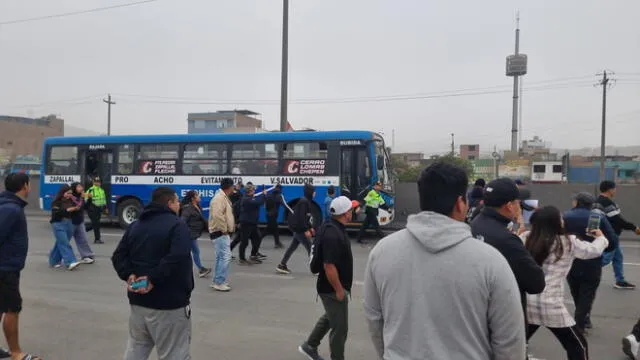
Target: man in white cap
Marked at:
335, 278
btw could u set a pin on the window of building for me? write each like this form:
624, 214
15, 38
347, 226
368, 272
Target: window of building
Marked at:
315, 150
125, 159
539, 168
158, 151
471, 157
63, 160
199, 124
471, 148
254, 159
205, 159
557, 168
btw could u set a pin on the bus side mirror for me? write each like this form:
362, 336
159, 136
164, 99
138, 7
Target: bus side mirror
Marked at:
380, 162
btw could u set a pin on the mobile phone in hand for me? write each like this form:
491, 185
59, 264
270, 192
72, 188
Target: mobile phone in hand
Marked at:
140, 284
594, 223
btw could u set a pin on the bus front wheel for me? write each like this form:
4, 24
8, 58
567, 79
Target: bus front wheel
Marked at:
128, 212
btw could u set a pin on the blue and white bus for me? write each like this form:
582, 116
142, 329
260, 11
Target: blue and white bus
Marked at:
132, 166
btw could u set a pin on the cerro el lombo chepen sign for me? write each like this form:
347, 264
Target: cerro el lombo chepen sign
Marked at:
305, 167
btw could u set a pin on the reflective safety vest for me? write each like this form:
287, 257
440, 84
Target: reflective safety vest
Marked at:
98, 197
373, 199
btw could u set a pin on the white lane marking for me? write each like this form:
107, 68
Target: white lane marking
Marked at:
631, 264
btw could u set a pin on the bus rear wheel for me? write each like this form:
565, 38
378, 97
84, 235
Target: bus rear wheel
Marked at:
128, 212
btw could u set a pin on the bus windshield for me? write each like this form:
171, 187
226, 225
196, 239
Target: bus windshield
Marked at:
383, 166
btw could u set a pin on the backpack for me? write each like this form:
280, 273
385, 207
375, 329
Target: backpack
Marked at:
316, 259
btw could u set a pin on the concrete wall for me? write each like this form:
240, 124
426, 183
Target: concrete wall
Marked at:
23, 136
558, 195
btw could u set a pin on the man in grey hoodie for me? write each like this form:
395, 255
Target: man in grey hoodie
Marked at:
432, 291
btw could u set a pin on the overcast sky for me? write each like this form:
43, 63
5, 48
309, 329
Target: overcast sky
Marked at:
216, 52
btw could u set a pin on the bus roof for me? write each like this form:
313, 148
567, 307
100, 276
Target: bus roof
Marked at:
233, 137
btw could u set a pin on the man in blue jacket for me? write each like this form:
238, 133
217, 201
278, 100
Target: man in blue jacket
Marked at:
584, 277
154, 258
14, 243
249, 215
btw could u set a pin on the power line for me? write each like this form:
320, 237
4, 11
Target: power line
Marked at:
72, 101
72, 13
149, 99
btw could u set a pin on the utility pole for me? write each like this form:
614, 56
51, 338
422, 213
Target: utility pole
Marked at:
453, 145
604, 83
393, 140
109, 103
285, 65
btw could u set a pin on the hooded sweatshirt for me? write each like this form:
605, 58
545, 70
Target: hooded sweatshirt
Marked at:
301, 220
432, 291
14, 240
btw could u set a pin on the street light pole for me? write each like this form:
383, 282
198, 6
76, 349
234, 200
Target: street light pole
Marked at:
285, 65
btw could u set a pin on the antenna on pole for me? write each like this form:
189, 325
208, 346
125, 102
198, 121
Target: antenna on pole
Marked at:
516, 67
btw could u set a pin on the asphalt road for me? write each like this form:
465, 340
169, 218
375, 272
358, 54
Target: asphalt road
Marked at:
83, 314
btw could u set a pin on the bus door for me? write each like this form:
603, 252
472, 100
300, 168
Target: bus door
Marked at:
98, 163
355, 173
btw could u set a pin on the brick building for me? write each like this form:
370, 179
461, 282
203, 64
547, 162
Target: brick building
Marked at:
223, 122
470, 152
21, 136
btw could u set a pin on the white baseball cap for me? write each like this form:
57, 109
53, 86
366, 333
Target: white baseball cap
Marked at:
342, 204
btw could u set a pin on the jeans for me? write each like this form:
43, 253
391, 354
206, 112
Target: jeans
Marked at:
222, 245
195, 251
336, 319
298, 238
82, 241
62, 251
615, 257
168, 330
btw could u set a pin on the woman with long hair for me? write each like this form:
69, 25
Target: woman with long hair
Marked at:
62, 210
191, 213
79, 230
554, 251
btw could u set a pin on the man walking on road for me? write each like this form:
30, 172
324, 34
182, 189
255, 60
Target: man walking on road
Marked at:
272, 206
334, 281
373, 201
611, 210
97, 200
154, 258
584, 276
301, 224
432, 291
221, 226
14, 243
502, 207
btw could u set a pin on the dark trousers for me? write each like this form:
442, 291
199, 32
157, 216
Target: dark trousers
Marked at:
571, 339
298, 238
584, 279
249, 232
236, 238
336, 320
272, 228
371, 220
95, 213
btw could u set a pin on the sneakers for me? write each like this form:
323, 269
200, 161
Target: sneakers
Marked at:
283, 269
630, 346
278, 246
310, 352
4, 353
624, 285
98, 241
87, 260
244, 263
56, 266
204, 272
255, 259
73, 265
221, 287
261, 256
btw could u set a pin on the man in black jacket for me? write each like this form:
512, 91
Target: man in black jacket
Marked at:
249, 214
606, 206
301, 224
584, 277
154, 258
501, 207
272, 206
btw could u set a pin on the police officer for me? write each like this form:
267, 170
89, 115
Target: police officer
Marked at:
97, 199
373, 201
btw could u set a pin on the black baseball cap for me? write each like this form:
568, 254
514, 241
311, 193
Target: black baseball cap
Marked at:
501, 191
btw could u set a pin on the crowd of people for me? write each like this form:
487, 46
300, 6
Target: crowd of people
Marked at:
468, 278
